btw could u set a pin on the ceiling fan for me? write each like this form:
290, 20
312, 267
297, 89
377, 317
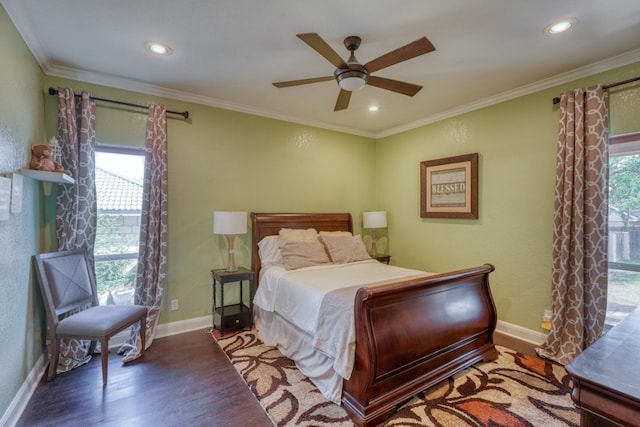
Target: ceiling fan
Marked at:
351, 75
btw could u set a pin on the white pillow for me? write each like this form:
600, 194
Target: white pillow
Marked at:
303, 254
343, 249
269, 251
297, 235
335, 233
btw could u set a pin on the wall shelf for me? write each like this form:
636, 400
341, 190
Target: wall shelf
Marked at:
47, 178
57, 177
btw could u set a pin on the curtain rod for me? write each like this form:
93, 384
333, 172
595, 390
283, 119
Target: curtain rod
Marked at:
556, 100
184, 114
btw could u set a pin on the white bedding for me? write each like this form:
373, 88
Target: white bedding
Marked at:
296, 296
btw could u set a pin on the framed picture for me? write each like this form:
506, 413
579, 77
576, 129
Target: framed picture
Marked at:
449, 187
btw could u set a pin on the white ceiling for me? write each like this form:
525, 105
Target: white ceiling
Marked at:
226, 53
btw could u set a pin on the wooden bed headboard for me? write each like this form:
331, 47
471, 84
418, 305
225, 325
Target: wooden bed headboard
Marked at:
269, 224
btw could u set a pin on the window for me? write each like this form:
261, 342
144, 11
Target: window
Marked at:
119, 175
624, 227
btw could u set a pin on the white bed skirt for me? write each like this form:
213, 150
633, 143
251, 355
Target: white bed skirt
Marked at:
296, 344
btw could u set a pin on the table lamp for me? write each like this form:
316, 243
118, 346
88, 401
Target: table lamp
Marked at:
373, 220
230, 224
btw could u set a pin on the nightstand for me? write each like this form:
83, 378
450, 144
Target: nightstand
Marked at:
232, 316
383, 258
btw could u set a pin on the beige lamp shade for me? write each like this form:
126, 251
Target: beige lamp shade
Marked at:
374, 219
229, 224
226, 222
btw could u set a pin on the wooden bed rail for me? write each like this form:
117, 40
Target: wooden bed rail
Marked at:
414, 334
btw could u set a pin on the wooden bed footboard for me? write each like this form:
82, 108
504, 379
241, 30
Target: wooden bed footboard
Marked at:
409, 335
414, 334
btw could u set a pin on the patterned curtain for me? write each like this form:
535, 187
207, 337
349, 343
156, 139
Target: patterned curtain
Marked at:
579, 274
76, 215
152, 256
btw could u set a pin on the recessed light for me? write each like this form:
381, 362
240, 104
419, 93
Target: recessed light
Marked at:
560, 26
159, 48
373, 108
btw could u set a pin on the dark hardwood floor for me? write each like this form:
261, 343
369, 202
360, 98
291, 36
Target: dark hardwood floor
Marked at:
182, 380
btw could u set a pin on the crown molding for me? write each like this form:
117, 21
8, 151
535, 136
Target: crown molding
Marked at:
586, 71
16, 13
142, 87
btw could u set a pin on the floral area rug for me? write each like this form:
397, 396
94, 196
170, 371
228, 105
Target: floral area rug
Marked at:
515, 390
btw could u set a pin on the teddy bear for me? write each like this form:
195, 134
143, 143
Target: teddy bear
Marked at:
42, 160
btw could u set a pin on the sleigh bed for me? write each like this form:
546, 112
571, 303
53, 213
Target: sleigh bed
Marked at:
410, 333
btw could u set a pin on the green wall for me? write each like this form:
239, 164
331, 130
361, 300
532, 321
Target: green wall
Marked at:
223, 160
516, 142
21, 124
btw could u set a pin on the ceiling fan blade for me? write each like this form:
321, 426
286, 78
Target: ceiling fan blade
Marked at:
413, 49
343, 100
303, 81
319, 45
404, 88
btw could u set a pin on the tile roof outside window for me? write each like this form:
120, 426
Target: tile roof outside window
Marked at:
117, 195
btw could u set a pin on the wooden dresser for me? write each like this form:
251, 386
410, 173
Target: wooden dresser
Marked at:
606, 377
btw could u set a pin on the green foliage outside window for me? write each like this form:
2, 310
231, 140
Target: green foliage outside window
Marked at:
118, 274
624, 186
624, 199
113, 239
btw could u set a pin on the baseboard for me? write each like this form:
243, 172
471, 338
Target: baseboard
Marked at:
173, 328
524, 334
16, 407
165, 329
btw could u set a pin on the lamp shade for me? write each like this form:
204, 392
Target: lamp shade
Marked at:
375, 219
229, 222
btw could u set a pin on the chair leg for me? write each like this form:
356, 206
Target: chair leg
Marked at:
53, 347
104, 347
92, 347
143, 334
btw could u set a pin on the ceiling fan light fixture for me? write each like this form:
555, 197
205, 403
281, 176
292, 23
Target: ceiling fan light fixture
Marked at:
352, 80
351, 75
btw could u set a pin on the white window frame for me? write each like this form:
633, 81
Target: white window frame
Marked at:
133, 151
